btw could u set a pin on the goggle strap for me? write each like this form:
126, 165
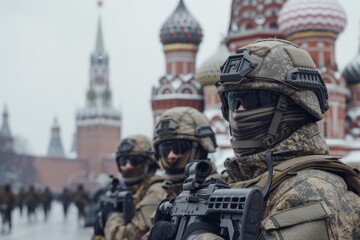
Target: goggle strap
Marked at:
193, 151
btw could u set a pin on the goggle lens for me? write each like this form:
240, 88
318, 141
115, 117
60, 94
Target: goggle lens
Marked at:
133, 160
176, 146
250, 99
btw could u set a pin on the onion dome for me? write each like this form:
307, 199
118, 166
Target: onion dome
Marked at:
209, 71
181, 27
311, 15
352, 70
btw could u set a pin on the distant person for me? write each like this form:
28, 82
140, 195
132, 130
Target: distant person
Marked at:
8, 204
20, 198
80, 200
65, 199
46, 199
31, 202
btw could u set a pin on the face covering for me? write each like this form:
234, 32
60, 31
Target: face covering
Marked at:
254, 125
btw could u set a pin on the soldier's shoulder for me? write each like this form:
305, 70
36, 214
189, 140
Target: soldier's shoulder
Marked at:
316, 185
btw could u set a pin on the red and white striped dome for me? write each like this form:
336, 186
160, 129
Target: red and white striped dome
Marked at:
309, 15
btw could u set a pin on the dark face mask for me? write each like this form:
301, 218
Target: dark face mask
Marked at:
251, 113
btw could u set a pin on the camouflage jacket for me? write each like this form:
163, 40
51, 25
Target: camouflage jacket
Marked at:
146, 199
311, 204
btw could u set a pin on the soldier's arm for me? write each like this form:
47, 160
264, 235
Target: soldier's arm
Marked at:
312, 205
141, 222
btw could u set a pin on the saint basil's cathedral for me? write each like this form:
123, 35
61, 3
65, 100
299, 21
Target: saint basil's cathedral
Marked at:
313, 25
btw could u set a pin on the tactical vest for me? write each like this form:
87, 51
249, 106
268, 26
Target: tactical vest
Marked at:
144, 187
290, 167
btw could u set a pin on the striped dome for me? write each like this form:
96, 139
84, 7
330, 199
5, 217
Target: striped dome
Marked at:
209, 71
352, 70
309, 15
181, 27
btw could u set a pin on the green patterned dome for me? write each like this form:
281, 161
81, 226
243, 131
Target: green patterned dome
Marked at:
181, 27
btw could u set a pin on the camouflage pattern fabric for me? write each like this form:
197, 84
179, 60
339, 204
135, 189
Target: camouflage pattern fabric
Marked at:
305, 141
146, 203
313, 204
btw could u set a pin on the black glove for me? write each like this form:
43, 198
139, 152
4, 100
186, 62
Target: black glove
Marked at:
98, 226
103, 215
162, 230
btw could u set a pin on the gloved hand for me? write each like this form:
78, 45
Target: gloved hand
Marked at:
162, 230
98, 226
103, 215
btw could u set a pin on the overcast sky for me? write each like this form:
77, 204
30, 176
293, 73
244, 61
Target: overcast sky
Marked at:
45, 47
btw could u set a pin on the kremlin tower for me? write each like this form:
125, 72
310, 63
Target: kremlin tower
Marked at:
6, 139
315, 26
98, 123
180, 35
55, 148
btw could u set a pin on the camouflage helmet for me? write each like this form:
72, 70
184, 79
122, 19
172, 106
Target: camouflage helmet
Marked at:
279, 66
137, 145
185, 123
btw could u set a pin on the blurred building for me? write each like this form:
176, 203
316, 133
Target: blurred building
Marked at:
313, 25
98, 130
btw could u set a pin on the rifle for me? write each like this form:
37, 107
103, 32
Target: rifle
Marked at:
212, 207
121, 200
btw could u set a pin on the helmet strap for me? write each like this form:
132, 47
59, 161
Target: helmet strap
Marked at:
281, 107
193, 151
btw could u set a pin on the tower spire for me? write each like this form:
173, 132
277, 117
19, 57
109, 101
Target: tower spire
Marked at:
5, 129
6, 140
55, 148
99, 47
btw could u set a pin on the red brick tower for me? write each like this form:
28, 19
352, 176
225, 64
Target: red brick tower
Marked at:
251, 20
314, 26
180, 35
98, 124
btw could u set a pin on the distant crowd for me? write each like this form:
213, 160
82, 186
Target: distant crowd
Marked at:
35, 200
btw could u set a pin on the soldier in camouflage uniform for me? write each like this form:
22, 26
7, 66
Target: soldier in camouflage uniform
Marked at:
182, 134
136, 162
272, 96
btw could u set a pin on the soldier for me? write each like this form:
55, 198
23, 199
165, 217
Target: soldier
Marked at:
136, 162
31, 202
8, 203
65, 199
46, 199
272, 95
20, 198
182, 134
80, 200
